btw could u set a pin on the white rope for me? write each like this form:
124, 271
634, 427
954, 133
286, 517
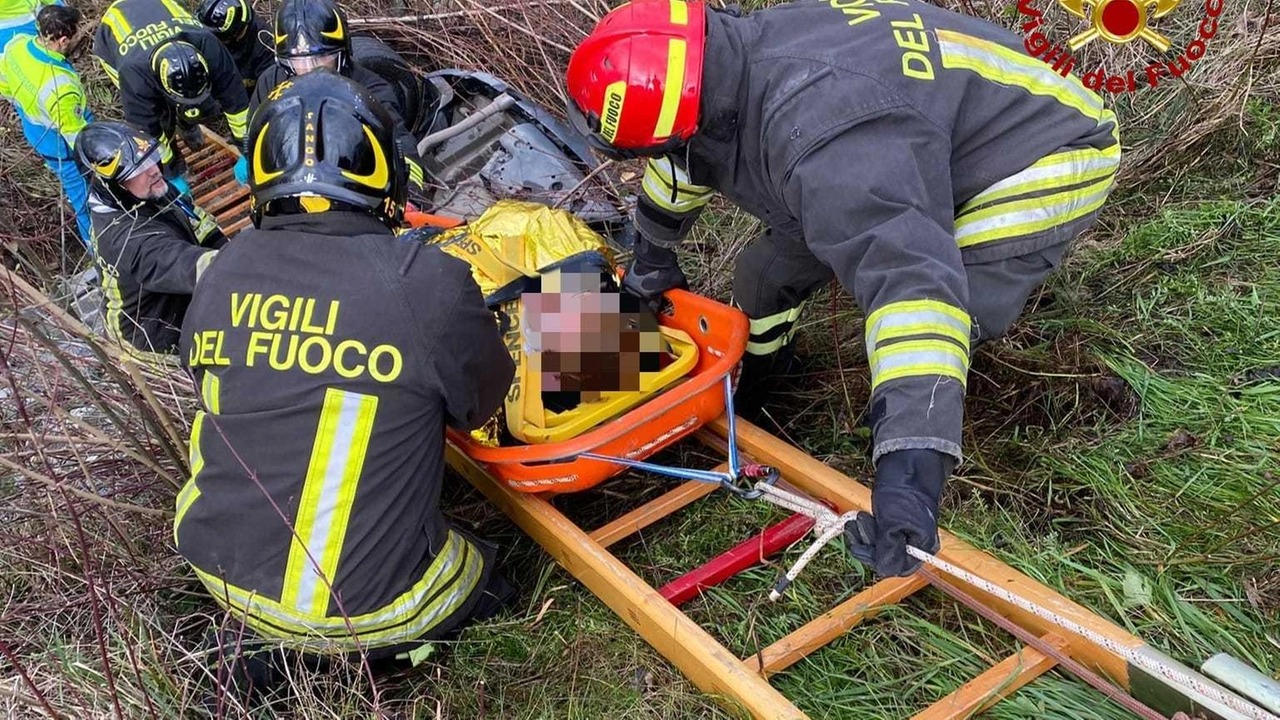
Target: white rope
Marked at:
828, 526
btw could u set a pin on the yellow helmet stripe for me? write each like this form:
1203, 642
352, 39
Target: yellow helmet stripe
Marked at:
108, 168
336, 34
381, 172
672, 89
260, 174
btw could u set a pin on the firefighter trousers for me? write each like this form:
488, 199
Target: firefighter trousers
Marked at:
775, 275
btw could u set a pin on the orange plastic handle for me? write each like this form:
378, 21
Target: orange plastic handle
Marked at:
417, 219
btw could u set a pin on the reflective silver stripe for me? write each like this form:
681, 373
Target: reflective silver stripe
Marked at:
202, 263
768, 348
1010, 67
17, 21
1039, 216
1055, 170
917, 321
918, 358
444, 566
350, 438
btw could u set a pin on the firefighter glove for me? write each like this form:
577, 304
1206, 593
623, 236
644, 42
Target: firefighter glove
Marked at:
904, 505
241, 170
653, 271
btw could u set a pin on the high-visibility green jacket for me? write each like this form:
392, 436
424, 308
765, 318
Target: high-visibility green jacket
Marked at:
45, 88
330, 355
14, 13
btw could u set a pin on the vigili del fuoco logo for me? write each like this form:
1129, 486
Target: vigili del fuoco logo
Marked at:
1119, 22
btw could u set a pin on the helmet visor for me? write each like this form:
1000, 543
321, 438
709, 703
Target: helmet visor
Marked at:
304, 65
150, 160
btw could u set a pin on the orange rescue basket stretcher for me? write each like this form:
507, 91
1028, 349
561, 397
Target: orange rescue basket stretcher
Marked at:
719, 331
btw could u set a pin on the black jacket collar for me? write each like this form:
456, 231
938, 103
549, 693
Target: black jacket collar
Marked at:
336, 223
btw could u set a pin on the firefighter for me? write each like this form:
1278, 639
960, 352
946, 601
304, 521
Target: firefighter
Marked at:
312, 34
50, 101
172, 73
916, 155
331, 354
243, 34
151, 243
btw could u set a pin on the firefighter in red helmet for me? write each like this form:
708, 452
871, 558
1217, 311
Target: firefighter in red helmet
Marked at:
916, 155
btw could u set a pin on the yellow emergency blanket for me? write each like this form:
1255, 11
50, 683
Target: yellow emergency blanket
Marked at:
511, 244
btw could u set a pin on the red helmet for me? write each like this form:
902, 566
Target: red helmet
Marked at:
635, 82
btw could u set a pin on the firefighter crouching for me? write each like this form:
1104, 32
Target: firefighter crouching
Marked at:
315, 34
238, 27
916, 155
172, 73
150, 242
330, 354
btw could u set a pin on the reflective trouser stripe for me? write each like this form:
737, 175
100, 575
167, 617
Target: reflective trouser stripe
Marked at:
917, 337
195, 457
1009, 220
773, 332
668, 186
451, 578
1005, 66
320, 526
918, 357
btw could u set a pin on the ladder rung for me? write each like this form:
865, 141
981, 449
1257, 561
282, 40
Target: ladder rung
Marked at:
997, 682
833, 623
656, 509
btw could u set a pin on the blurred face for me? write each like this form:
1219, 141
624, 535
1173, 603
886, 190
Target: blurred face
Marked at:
589, 341
148, 183
304, 65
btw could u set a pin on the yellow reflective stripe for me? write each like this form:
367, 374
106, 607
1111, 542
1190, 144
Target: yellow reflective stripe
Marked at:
415, 172
110, 71
211, 392
176, 10
451, 578
914, 358
238, 121
202, 264
166, 152
1023, 217
190, 492
1058, 170
760, 326
117, 23
679, 12
667, 185
320, 525
673, 88
917, 317
1009, 67
768, 348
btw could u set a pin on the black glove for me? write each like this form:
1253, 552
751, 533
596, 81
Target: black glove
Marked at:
904, 502
193, 136
653, 271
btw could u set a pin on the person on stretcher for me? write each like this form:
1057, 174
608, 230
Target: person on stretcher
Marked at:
585, 352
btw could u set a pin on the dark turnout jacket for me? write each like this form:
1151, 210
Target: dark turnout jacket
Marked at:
252, 53
330, 356
149, 257
866, 130
129, 34
381, 91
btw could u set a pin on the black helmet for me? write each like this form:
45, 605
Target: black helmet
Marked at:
183, 72
308, 32
323, 143
228, 19
114, 152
